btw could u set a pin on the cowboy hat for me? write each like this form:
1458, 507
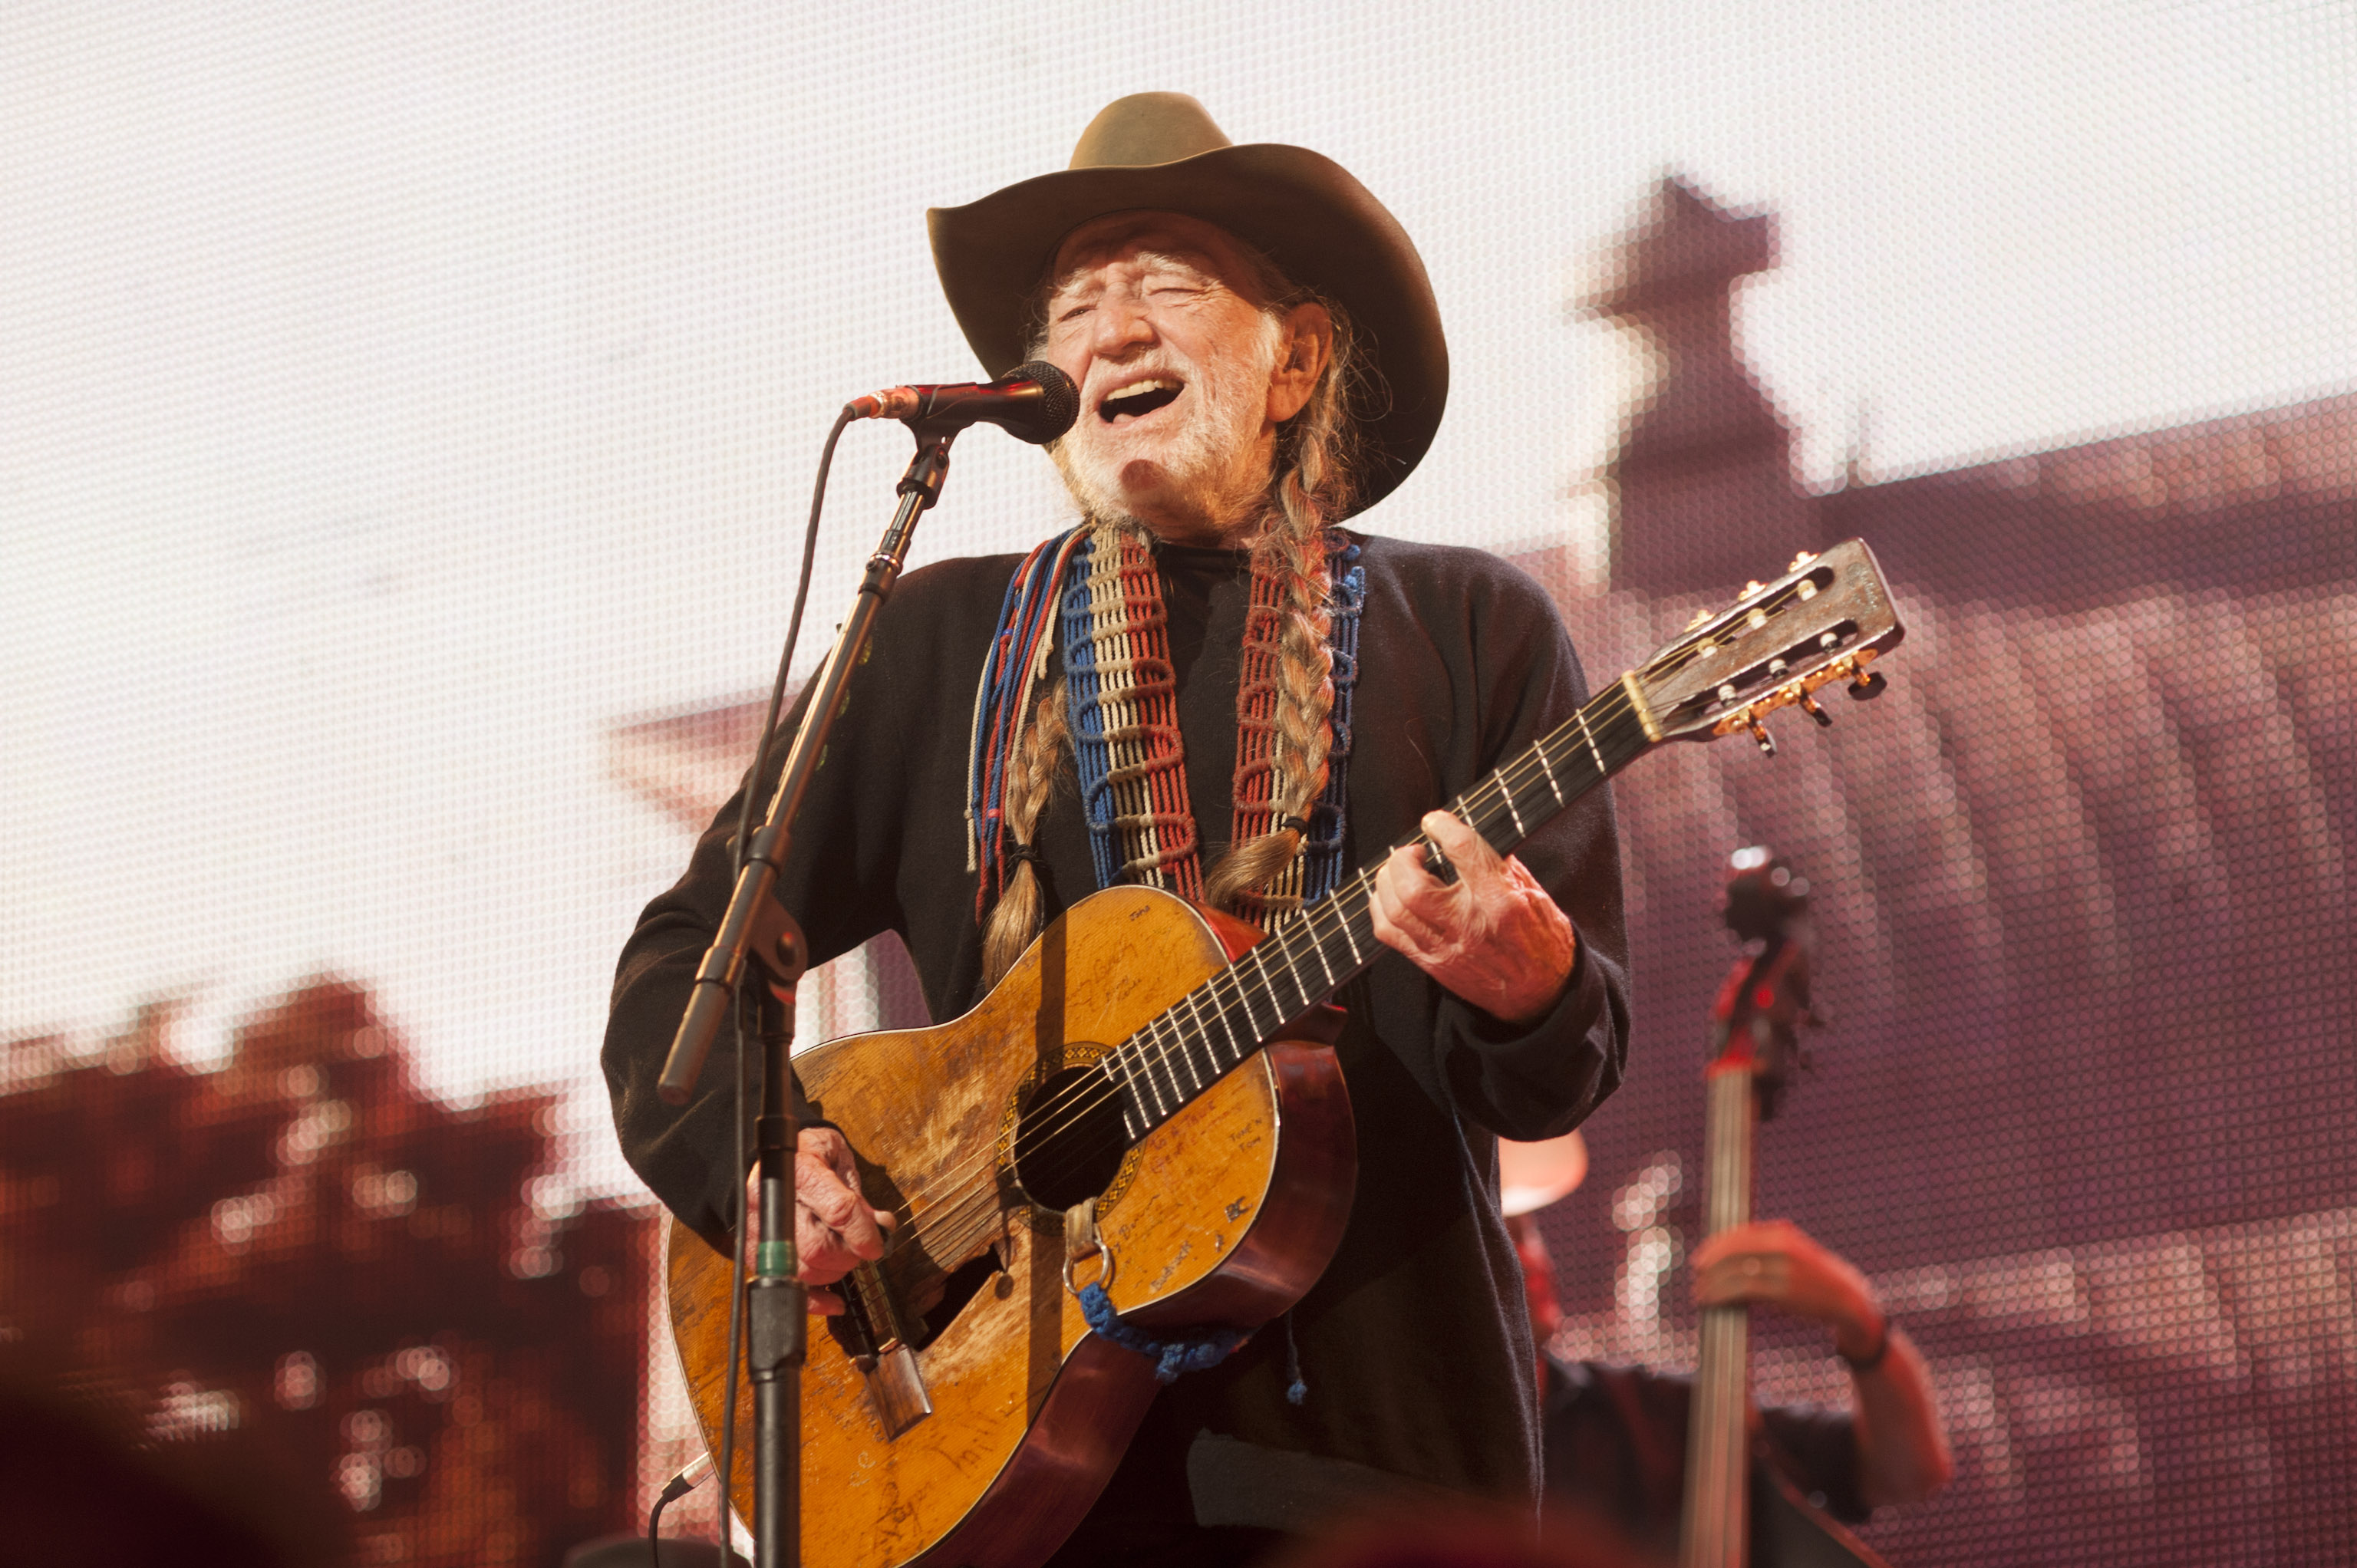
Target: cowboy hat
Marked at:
1161, 150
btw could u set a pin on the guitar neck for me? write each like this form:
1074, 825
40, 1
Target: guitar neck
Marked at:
1308, 955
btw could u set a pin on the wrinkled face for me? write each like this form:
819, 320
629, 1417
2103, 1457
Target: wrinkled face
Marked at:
1184, 373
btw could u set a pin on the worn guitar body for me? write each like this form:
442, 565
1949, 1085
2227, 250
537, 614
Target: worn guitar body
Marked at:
1222, 1215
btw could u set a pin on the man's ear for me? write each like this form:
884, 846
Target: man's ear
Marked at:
1302, 356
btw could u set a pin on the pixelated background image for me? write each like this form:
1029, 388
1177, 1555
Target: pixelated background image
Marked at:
410, 416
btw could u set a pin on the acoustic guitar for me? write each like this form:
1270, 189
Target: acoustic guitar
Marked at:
1740, 1508
1144, 1103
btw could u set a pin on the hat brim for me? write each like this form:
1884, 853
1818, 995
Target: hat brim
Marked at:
1322, 228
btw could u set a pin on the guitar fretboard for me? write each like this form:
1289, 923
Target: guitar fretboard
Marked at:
1308, 955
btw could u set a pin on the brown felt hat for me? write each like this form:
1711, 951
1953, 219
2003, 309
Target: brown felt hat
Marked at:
1322, 228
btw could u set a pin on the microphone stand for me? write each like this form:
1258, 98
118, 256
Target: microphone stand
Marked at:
776, 1303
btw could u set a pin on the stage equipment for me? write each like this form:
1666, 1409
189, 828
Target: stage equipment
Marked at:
1035, 402
774, 1303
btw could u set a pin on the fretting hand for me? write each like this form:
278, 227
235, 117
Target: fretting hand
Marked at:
1493, 937
1902, 1451
1776, 1263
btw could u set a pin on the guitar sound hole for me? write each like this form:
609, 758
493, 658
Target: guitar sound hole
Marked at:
1070, 1141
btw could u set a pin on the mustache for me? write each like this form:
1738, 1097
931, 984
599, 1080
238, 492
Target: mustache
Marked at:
1153, 362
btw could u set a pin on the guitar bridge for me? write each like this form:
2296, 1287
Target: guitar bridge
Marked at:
896, 1388
895, 1385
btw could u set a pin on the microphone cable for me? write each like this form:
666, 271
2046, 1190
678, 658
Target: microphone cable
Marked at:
761, 753
690, 1476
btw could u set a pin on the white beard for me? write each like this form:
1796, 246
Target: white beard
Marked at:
1204, 464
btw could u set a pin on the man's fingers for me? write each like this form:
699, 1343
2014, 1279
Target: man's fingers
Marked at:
1475, 861
1746, 1277
821, 1250
824, 1302
822, 1196
1398, 922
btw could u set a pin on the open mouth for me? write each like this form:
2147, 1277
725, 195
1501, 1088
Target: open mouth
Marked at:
1139, 399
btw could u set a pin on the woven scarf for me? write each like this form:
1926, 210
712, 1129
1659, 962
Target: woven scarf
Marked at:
1123, 702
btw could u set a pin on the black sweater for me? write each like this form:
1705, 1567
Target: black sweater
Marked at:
1413, 1345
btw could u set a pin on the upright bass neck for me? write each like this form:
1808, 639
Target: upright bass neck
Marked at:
1753, 1025
1715, 1530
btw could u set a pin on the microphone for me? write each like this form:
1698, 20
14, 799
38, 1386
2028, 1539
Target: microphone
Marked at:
1035, 402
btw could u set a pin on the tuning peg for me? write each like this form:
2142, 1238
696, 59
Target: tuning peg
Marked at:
1809, 706
1700, 616
1760, 733
1867, 686
1803, 559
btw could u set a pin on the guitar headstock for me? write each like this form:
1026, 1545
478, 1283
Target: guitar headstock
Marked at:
1825, 619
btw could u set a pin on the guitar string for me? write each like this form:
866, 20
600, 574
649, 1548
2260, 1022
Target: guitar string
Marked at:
1479, 807
1484, 807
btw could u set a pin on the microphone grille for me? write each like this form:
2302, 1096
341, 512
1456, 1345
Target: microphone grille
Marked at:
1059, 402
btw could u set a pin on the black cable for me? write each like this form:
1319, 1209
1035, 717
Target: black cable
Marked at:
743, 840
793, 635
690, 1476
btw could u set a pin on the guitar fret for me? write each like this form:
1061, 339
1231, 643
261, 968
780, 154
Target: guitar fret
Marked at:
1287, 973
1133, 1067
1244, 995
1175, 1048
1170, 1073
1136, 1096
1157, 1084
1601, 770
1211, 1049
1235, 1051
1198, 1048
1146, 1065
1318, 946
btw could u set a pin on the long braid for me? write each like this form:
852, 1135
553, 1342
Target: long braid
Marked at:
1258, 875
1287, 645
1032, 776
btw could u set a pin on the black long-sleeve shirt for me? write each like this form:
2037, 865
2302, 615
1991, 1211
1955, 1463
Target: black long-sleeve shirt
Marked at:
1413, 1345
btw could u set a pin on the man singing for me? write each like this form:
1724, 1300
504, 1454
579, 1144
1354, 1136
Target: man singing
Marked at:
1260, 357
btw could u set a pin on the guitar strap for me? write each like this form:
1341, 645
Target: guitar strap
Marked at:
1123, 704
1122, 696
